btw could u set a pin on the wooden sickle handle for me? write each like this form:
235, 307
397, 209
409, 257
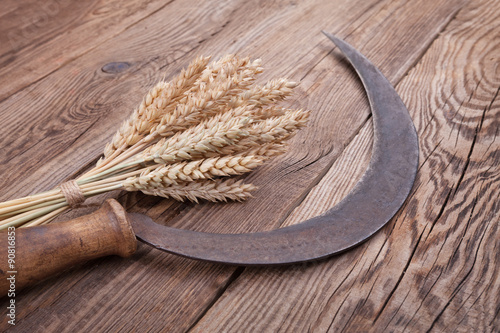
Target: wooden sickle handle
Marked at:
39, 252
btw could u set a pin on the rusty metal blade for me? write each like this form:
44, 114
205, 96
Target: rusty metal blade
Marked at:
368, 207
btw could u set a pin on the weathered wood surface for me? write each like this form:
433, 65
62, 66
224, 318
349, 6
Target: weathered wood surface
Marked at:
39, 37
435, 266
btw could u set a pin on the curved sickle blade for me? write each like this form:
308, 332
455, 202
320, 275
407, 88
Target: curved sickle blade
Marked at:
368, 207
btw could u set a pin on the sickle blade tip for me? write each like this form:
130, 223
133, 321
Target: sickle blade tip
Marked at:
330, 36
337, 41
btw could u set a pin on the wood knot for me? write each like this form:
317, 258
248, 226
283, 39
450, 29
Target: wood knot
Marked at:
115, 67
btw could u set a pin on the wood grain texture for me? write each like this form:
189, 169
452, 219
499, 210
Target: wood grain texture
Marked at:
436, 266
39, 37
68, 115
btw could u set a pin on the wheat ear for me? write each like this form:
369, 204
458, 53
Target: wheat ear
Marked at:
211, 190
160, 99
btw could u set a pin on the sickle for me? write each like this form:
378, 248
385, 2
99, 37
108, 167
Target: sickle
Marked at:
45, 250
368, 207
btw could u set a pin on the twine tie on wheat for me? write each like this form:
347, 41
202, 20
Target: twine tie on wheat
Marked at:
72, 193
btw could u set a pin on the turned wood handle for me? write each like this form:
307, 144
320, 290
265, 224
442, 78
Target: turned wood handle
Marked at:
47, 250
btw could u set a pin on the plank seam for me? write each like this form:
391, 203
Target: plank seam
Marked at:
436, 37
233, 277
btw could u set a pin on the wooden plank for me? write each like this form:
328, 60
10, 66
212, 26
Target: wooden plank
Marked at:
39, 37
139, 288
435, 266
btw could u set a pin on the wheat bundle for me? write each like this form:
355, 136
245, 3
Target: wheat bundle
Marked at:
183, 141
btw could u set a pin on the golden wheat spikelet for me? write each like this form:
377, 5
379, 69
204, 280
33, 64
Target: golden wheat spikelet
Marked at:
211, 190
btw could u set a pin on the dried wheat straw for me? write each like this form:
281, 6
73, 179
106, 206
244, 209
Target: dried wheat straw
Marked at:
210, 121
